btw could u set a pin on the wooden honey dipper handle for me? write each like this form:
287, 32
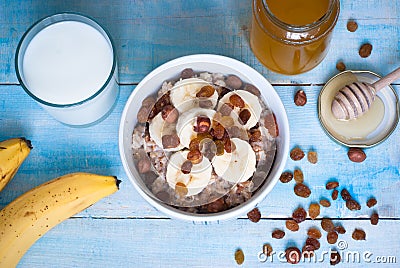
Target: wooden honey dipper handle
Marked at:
355, 99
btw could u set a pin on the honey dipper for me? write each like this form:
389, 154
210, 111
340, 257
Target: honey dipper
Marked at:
355, 99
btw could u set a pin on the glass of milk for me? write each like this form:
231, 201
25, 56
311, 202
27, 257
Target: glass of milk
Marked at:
67, 63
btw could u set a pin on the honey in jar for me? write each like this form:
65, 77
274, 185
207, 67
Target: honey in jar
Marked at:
292, 36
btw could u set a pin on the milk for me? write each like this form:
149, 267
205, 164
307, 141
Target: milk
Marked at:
67, 63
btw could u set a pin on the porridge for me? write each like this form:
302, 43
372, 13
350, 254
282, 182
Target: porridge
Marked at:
205, 142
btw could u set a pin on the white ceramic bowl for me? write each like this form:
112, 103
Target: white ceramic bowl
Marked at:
215, 64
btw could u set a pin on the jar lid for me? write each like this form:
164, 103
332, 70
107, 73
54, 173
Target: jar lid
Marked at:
371, 128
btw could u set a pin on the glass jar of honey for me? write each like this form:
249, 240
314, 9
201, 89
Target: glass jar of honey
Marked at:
292, 36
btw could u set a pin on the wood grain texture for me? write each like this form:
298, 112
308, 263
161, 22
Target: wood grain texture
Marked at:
149, 33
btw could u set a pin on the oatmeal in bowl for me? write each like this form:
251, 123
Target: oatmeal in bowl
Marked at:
204, 138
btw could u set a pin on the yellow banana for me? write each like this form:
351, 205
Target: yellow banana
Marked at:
31, 215
12, 153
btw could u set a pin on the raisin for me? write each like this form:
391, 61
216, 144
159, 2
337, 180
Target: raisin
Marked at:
267, 250
203, 124
220, 145
163, 101
332, 185
365, 50
302, 190
314, 210
170, 141
194, 144
374, 218
169, 114
335, 258
187, 73
299, 215
186, 167
353, 205
143, 114
286, 177
340, 229
298, 176
325, 203
205, 92
293, 255
229, 146
340, 66
358, 234
313, 242
244, 116
327, 225
352, 26
239, 256
332, 237
271, 125
356, 155
371, 202
312, 157
296, 154
226, 109
181, 189
345, 195
234, 82
218, 131
255, 136
292, 225
278, 234
300, 98
236, 101
217, 206
144, 165
252, 89
308, 251
314, 233
207, 104
226, 121
335, 194
195, 156
149, 101
254, 215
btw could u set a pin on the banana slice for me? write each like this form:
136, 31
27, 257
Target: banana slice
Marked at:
238, 166
158, 128
251, 103
187, 121
195, 181
183, 94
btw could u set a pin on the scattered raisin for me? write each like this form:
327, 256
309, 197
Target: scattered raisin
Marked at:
267, 250
286, 177
365, 50
345, 195
335, 258
244, 116
302, 190
312, 157
187, 73
254, 215
296, 154
371, 202
205, 92
186, 167
374, 218
236, 101
298, 176
170, 141
226, 109
340, 229
203, 124
353, 204
332, 185
307, 251
325, 203
352, 26
218, 131
195, 156
358, 234
278, 234
314, 242
340, 66
194, 144
292, 225
314, 233
332, 237
327, 225
255, 136
299, 215
314, 210
169, 114
293, 255
229, 146
356, 155
239, 256
300, 98
233, 81
335, 194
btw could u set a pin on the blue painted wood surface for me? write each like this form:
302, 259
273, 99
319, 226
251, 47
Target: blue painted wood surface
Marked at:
123, 230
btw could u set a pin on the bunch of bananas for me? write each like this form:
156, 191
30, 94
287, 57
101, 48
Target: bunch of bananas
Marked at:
31, 215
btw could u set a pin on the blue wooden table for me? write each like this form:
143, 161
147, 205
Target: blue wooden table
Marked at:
123, 230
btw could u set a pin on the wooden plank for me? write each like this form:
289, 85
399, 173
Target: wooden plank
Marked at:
149, 33
59, 149
171, 243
